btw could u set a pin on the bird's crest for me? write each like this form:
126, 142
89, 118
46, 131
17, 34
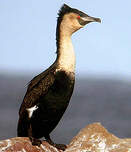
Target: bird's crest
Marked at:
64, 10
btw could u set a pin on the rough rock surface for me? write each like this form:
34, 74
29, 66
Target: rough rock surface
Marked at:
23, 144
93, 138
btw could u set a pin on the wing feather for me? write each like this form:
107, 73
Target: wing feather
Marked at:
38, 78
34, 92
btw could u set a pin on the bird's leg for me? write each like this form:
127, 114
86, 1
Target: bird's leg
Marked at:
34, 141
58, 146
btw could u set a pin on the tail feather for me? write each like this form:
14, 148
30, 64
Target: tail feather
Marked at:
23, 126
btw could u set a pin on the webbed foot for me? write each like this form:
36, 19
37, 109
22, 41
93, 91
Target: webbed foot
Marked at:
60, 146
35, 142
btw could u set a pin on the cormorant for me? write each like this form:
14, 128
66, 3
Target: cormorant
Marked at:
48, 94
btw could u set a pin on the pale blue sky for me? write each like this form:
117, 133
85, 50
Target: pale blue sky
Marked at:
27, 36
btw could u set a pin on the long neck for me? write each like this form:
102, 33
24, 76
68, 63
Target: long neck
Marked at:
65, 51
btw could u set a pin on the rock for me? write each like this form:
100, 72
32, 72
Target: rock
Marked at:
93, 138
23, 144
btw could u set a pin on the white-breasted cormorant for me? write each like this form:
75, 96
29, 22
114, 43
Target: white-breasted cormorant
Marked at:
49, 93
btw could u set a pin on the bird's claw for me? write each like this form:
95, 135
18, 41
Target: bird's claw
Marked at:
35, 142
60, 146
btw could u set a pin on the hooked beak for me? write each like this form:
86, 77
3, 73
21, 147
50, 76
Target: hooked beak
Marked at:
87, 19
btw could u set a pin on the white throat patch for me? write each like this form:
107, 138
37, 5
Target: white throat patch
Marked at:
66, 59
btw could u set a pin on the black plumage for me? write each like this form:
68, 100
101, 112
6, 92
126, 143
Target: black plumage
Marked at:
49, 93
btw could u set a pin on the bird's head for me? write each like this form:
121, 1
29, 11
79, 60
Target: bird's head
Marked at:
72, 19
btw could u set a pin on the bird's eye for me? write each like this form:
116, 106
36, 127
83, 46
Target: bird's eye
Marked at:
78, 17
